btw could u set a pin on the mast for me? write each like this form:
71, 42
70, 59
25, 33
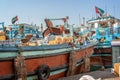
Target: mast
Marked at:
79, 20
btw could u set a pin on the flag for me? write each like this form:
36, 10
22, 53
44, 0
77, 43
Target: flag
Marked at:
96, 10
99, 10
14, 19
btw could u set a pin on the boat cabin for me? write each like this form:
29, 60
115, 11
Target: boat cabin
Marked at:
106, 27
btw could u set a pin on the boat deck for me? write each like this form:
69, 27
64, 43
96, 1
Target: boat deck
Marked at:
100, 75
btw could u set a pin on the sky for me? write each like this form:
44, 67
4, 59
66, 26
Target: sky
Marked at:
35, 11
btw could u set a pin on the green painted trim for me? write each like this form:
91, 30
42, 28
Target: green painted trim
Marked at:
32, 77
98, 65
102, 47
32, 53
58, 71
8, 54
27, 54
101, 55
4, 55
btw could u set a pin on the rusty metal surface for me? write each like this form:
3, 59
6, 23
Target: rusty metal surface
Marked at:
104, 75
72, 63
20, 68
87, 64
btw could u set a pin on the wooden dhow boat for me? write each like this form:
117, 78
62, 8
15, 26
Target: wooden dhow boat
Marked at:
105, 28
28, 60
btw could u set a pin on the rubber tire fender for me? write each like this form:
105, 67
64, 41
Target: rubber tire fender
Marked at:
43, 72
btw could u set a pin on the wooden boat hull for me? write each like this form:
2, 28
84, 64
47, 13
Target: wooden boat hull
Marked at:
102, 57
56, 57
102, 50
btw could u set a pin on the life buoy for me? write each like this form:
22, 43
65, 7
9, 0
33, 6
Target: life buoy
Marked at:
43, 72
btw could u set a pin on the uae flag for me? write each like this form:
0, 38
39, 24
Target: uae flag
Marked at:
14, 19
99, 10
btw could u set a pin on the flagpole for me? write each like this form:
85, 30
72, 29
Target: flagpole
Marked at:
96, 11
114, 10
106, 9
96, 15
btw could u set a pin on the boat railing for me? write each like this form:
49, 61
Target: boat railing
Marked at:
7, 43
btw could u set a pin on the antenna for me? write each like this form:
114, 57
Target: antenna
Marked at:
114, 10
92, 16
106, 9
79, 20
83, 21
